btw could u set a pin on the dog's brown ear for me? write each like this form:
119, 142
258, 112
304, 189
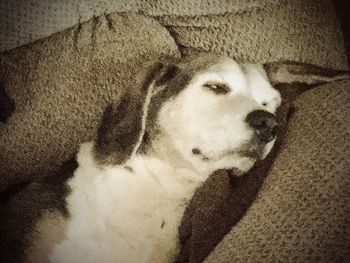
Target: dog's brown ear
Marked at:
123, 123
291, 72
292, 78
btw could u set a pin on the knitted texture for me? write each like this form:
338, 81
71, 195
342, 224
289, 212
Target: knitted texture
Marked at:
62, 84
23, 21
302, 211
299, 30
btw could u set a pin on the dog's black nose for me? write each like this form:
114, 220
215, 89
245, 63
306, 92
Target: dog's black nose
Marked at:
264, 123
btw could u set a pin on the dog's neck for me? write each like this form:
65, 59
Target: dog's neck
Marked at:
163, 150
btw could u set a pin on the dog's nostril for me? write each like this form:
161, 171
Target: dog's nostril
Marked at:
196, 151
264, 123
260, 119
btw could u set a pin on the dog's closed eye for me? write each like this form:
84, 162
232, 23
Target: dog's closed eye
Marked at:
217, 88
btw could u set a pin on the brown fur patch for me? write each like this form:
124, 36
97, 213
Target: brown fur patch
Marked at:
48, 232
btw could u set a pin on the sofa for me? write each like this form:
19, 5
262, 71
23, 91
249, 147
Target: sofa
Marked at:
61, 64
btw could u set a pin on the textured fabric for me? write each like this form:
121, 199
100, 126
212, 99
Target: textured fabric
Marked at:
23, 21
223, 200
61, 85
53, 73
302, 211
299, 30
343, 11
254, 30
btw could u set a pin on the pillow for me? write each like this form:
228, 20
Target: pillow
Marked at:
224, 198
301, 213
306, 31
23, 21
61, 85
221, 202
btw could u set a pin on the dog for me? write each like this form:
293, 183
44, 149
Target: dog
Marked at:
123, 196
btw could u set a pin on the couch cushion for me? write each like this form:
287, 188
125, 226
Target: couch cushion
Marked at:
298, 30
302, 211
61, 85
23, 21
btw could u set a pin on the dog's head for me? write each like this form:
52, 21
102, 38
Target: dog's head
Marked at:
222, 116
207, 110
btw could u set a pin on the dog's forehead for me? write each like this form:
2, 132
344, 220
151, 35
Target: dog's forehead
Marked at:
249, 80
250, 77
229, 70
214, 68
195, 71
259, 84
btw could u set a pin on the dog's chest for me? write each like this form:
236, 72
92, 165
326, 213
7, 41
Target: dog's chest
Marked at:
123, 215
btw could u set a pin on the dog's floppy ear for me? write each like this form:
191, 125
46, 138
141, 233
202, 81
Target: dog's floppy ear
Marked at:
295, 72
123, 124
292, 78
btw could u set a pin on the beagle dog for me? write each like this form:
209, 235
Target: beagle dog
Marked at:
123, 197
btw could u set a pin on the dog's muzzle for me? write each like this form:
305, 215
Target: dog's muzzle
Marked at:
264, 124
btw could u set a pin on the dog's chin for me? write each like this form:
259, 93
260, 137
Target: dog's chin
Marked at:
240, 164
249, 154
256, 150
240, 159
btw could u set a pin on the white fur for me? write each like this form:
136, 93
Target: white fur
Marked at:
144, 115
124, 216
216, 123
117, 215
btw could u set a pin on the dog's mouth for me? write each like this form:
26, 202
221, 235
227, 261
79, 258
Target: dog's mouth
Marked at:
255, 153
253, 149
